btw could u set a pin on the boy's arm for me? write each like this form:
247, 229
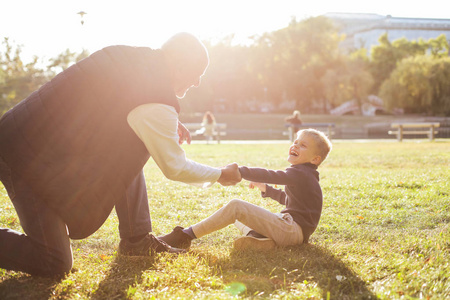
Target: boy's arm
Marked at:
268, 191
276, 194
287, 177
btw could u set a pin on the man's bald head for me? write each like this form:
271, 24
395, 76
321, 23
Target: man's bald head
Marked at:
188, 60
186, 51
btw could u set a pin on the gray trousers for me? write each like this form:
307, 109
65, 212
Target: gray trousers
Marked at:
246, 216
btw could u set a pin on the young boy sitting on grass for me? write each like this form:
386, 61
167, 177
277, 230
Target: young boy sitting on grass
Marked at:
261, 228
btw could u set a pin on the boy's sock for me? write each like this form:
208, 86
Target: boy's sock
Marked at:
190, 232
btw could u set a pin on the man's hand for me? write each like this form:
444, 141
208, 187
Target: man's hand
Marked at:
259, 185
183, 134
230, 175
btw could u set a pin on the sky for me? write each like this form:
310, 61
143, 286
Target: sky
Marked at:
46, 28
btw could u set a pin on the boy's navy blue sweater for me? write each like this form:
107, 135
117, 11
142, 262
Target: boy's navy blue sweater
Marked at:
302, 195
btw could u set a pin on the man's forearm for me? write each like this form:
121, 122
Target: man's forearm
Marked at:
157, 126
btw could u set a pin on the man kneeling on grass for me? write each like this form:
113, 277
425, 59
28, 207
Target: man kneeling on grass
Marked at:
261, 228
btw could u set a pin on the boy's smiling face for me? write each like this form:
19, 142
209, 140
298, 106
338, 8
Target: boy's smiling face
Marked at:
303, 150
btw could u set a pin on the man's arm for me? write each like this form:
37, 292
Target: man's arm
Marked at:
157, 126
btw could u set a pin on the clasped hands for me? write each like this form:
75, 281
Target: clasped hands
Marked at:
230, 175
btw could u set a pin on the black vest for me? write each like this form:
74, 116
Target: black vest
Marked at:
70, 140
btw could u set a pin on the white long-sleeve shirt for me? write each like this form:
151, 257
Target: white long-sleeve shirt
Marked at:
157, 126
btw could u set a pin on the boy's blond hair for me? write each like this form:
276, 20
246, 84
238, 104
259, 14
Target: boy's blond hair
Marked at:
323, 144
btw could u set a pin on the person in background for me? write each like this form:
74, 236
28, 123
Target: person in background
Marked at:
208, 129
262, 229
293, 122
75, 149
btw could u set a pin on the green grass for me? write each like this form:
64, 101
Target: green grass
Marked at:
384, 233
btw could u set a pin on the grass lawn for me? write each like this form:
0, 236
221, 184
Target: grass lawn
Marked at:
384, 233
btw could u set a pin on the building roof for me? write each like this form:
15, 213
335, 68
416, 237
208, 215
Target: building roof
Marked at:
364, 29
351, 23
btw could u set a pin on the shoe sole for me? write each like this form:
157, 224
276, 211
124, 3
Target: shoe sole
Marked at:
251, 243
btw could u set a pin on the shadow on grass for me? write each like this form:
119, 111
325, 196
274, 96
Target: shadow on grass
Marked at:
125, 271
25, 286
301, 269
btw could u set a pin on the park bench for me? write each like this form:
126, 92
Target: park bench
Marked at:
326, 128
427, 128
219, 130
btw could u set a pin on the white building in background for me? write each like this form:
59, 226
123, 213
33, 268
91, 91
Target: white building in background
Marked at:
364, 30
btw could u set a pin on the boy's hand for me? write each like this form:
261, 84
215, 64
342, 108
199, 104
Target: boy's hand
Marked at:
259, 185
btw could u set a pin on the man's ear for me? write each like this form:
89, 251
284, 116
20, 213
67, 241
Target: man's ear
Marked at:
316, 160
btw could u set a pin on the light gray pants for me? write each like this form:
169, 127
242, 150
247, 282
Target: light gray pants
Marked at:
246, 216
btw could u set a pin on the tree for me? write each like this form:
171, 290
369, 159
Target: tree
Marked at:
267, 67
227, 78
335, 88
386, 55
419, 85
439, 47
17, 79
359, 80
348, 79
439, 80
296, 58
228, 75
65, 60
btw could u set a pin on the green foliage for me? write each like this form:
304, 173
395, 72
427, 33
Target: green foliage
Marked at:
300, 64
439, 81
384, 234
349, 78
283, 65
419, 84
19, 79
300, 56
227, 78
413, 74
65, 60
386, 56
